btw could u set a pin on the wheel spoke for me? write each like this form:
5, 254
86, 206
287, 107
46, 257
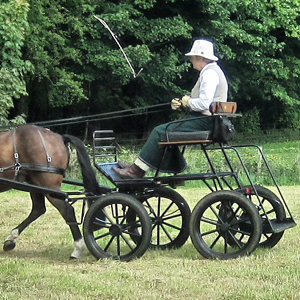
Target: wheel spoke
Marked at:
268, 212
151, 209
216, 214
126, 240
118, 246
240, 231
209, 221
109, 243
102, 223
167, 209
226, 243
171, 225
209, 232
215, 241
167, 233
107, 215
237, 242
172, 216
102, 236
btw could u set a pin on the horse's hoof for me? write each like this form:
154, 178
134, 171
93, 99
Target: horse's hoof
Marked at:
9, 245
73, 257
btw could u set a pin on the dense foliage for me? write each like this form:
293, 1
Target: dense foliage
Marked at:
58, 60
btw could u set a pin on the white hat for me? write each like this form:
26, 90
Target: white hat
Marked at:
203, 48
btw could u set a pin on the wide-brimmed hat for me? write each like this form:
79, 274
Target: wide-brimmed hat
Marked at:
203, 48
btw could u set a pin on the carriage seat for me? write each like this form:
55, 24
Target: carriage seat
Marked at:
197, 137
176, 137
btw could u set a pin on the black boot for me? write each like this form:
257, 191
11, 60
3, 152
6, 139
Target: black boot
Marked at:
132, 172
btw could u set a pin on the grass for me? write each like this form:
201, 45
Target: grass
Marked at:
39, 267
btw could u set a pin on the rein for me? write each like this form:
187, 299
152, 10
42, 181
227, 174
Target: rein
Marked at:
32, 167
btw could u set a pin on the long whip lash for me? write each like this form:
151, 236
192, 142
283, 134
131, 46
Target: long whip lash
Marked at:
116, 40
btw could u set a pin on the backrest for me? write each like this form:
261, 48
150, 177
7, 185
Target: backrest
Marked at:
223, 107
104, 146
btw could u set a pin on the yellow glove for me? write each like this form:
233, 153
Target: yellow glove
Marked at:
185, 101
175, 104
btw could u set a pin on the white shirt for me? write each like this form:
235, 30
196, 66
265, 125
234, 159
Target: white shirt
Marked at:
209, 81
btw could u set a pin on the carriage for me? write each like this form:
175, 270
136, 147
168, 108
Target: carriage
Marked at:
124, 220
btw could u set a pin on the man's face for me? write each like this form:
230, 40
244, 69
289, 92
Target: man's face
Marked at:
198, 62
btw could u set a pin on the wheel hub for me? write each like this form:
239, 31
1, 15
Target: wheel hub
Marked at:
115, 230
158, 221
224, 227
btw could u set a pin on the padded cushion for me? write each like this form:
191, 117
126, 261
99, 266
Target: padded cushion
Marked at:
176, 136
223, 107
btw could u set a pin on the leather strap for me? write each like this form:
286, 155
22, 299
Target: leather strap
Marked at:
41, 168
32, 167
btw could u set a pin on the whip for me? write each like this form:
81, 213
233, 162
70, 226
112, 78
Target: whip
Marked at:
116, 40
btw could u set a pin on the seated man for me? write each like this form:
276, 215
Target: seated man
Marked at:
211, 86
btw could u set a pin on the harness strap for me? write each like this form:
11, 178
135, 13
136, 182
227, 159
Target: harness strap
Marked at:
16, 154
32, 167
49, 159
41, 168
7, 168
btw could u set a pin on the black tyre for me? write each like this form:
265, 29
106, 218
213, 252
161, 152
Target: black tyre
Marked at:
222, 217
112, 236
269, 207
170, 216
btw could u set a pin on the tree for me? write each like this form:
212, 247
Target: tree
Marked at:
14, 24
259, 42
72, 65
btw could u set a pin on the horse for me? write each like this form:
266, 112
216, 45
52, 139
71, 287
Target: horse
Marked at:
39, 156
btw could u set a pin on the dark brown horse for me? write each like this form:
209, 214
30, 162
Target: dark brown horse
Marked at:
39, 156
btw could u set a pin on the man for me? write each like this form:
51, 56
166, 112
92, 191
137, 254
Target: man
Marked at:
211, 86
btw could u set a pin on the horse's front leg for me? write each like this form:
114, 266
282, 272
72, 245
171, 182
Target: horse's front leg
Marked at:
38, 209
68, 213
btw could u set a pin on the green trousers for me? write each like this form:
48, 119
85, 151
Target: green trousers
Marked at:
173, 161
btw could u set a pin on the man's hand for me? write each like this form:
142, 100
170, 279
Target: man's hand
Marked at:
185, 101
175, 104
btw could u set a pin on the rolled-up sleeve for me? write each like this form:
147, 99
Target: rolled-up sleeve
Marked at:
208, 86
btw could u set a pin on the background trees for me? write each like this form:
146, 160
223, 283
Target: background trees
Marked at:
57, 60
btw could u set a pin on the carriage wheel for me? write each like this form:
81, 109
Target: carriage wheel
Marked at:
222, 217
170, 215
273, 210
112, 236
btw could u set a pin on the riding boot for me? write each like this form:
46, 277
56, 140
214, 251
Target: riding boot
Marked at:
123, 164
132, 172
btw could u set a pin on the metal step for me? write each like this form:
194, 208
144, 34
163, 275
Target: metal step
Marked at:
279, 226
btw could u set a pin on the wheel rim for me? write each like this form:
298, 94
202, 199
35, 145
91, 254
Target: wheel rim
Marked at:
225, 226
110, 232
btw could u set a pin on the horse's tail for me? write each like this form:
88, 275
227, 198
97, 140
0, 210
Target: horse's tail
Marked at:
88, 173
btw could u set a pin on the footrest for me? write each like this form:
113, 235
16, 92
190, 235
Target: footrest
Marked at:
282, 225
107, 170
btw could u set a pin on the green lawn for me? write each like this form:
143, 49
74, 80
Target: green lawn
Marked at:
39, 267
